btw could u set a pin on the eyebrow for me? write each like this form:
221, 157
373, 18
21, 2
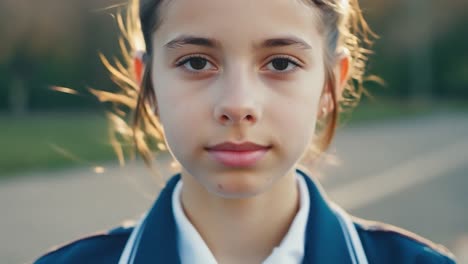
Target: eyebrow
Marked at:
192, 40
212, 43
286, 41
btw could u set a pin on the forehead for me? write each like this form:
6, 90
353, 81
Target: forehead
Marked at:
234, 21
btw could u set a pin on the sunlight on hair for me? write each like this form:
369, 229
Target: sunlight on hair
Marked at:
131, 27
67, 154
162, 146
129, 136
63, 90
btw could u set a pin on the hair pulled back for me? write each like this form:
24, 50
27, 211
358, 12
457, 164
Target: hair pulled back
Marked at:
342, 25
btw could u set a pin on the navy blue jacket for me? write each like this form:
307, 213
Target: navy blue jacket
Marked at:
325, 242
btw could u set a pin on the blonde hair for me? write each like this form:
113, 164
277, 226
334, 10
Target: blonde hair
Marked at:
135, 117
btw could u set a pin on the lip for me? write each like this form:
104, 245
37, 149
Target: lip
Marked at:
244, 154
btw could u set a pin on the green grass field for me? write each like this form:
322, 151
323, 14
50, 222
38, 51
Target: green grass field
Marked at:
62, 140
375, 111
50, 141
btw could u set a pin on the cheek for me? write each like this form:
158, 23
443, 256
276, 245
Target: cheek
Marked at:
296, 112
180, 111
297, 120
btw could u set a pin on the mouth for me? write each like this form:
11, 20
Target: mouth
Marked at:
237, 155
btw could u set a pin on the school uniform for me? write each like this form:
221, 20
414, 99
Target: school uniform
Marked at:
321, 232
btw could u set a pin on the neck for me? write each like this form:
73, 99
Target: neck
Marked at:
247, 228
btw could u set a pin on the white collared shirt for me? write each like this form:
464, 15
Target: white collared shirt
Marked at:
193, 249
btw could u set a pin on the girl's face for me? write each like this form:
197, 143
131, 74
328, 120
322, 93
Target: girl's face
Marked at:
238, 71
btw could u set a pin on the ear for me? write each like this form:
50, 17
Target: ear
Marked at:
341, 72
139, 65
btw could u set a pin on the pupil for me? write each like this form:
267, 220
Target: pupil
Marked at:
198, 63
280, 64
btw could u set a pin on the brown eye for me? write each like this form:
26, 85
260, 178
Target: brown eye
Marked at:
195, 63
282, 64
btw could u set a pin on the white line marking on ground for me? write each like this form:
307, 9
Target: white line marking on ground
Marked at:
416, 171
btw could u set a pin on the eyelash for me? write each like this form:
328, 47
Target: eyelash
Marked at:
186, 59
289, 59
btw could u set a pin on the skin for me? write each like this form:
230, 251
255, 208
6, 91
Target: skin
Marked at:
240, 95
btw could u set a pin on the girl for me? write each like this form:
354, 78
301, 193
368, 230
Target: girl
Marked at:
242, 92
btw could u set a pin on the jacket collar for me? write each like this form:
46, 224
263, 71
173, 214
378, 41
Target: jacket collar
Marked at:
158, 242
325, 242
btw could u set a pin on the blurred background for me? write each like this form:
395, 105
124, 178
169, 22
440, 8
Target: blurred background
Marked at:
400, 158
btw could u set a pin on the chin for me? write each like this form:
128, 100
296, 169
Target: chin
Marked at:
237, 185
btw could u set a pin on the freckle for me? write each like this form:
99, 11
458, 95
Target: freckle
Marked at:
220, 186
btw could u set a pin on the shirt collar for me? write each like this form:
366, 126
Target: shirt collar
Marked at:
193, 249
324, 239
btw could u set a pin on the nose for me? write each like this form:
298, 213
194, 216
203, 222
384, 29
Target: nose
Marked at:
237, 103
228, 115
